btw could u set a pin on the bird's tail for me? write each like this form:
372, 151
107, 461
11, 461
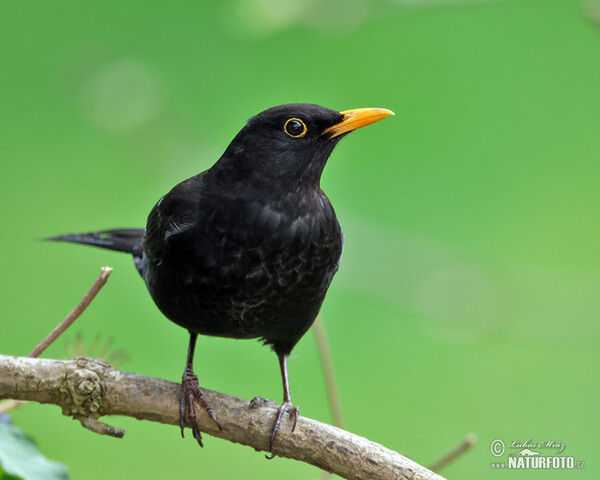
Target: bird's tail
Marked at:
128, 240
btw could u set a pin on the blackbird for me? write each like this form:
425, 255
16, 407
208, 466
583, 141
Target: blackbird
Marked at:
247, 248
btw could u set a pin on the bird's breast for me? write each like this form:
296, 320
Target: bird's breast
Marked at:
245, 264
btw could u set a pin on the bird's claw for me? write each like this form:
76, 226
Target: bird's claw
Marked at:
191, 391
283, 408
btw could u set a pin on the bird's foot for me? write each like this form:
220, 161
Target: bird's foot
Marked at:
190, 391
258, 402
285, 407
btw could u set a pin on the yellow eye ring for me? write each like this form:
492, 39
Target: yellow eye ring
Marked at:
295, 128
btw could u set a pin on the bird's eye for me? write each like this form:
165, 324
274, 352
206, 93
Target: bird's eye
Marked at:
295, 128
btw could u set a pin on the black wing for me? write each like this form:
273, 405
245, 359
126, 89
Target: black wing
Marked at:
172, 217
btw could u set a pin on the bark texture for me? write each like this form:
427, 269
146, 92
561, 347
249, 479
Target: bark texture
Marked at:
88, 389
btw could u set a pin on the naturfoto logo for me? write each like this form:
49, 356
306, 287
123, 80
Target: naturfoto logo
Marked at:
528, 455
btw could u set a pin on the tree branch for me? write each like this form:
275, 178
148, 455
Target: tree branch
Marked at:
453, 454
88, 389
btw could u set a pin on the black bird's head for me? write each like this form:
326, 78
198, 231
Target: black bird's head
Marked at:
289, 145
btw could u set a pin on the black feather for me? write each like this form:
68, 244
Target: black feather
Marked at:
127, 240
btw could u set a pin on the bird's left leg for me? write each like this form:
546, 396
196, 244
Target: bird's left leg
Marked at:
190, 391
286, 406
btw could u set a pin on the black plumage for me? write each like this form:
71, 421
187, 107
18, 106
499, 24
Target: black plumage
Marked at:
249, 247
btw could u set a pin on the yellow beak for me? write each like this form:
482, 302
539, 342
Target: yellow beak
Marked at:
357, 118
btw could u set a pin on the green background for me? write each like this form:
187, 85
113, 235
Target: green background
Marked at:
468, 296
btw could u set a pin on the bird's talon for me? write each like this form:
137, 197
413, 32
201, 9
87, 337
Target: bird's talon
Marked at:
284, 407
187, 412
197, 436
212, 415
214, 418
295, 413
199, 395
182, 423
257, 402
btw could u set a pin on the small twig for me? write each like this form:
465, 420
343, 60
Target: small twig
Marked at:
327, 364
456, 452
75, 313
62, 326
101, 428
330, 386
9, 405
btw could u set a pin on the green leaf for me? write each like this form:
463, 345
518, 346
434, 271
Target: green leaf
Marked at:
6, 476
20, 459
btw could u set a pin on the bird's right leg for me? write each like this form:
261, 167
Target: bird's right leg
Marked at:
191, 391
286, 406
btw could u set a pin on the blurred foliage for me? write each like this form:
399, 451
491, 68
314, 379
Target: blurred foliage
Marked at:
21, 460
97, 348
468, 295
